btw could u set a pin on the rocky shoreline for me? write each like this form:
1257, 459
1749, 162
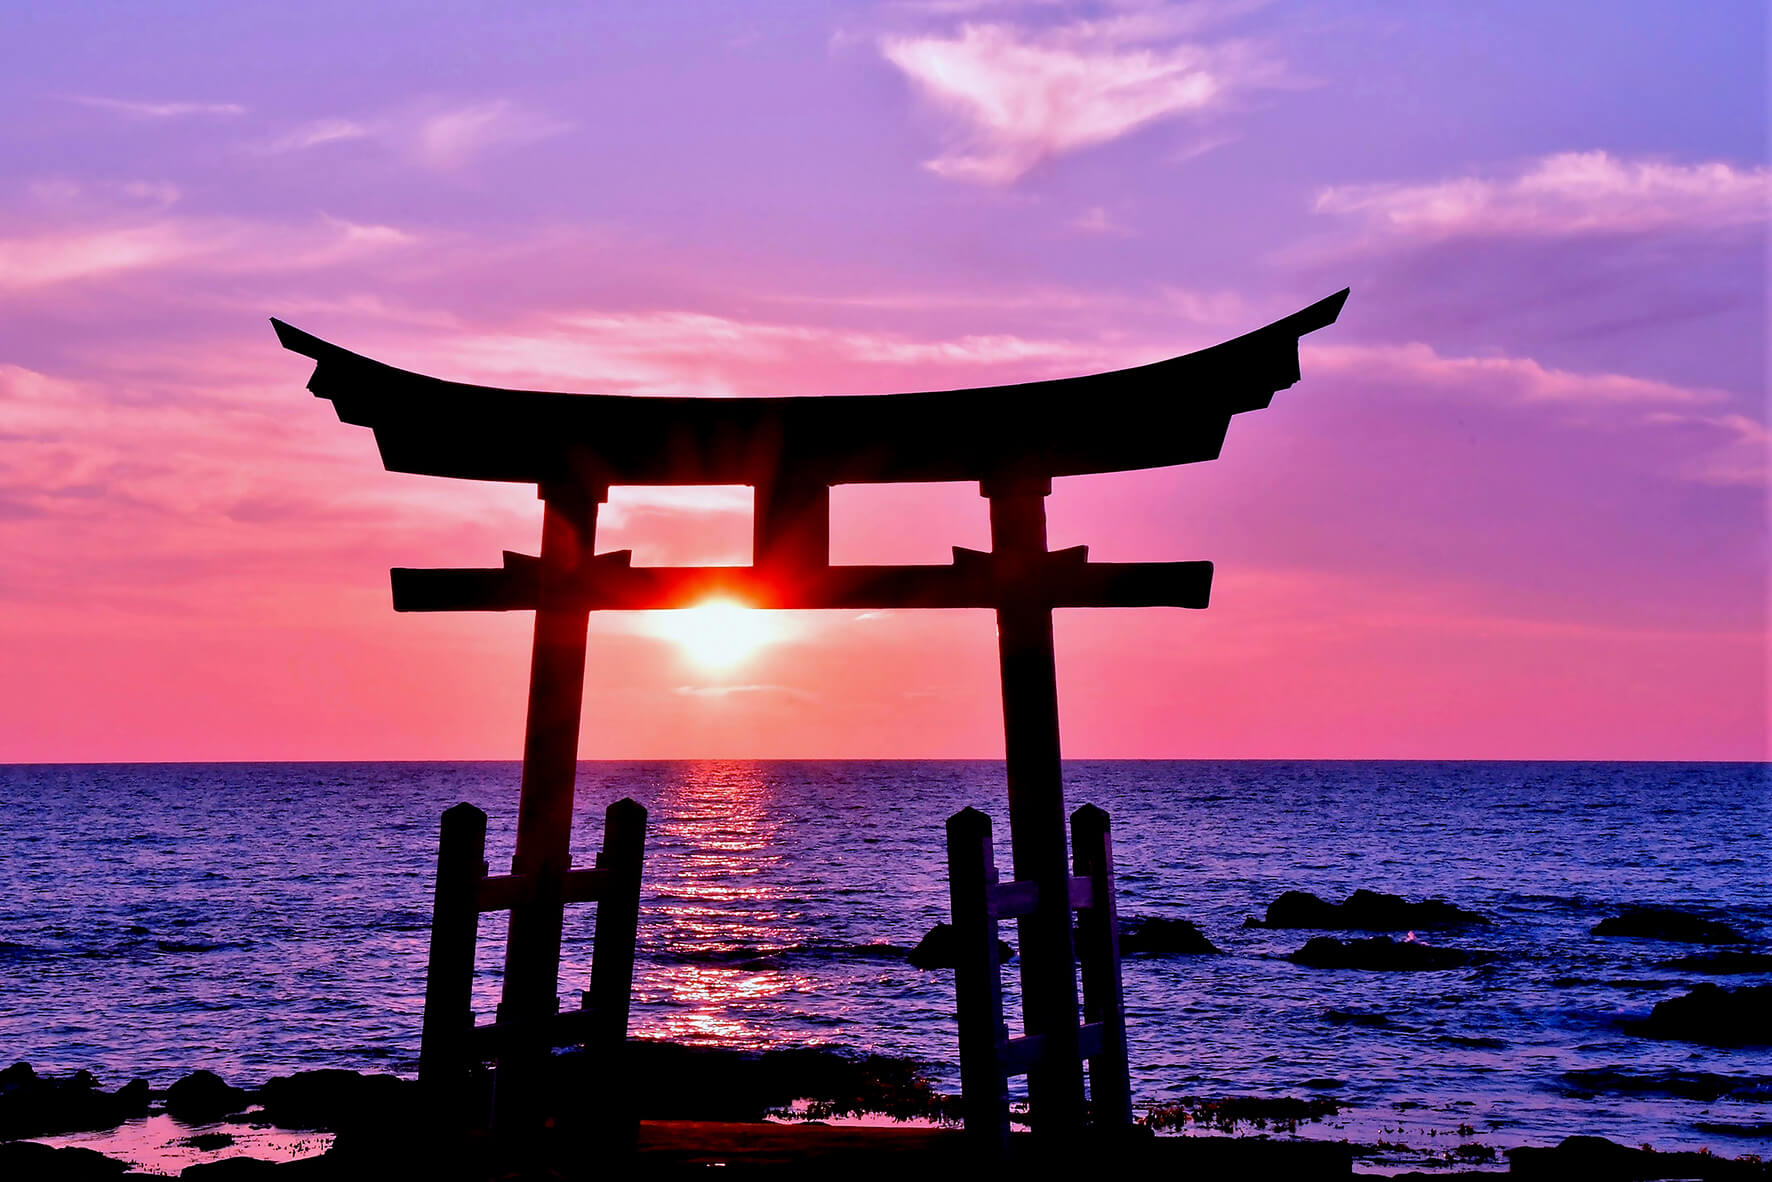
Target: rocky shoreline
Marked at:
697, 1101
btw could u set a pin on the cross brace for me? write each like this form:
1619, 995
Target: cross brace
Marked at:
609, 582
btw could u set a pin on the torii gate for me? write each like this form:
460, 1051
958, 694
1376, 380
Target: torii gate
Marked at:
1012, 440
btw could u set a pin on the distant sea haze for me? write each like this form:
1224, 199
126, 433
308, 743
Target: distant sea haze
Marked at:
260, 918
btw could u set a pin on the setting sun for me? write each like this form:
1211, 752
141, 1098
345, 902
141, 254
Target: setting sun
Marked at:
718, 634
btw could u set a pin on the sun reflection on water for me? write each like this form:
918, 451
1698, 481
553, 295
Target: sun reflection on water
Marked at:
718, 925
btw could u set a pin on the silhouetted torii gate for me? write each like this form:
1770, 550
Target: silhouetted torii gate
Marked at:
1012, 440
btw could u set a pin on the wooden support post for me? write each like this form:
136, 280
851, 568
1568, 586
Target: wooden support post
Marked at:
544, 812
1036, 801
978, 990
1098, 949
443, 1058
612, 974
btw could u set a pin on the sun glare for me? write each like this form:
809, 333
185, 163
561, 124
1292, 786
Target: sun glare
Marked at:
718, 634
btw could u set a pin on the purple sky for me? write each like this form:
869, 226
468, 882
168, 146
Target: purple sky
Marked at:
1517, 507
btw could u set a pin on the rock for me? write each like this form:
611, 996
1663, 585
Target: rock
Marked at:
1163, 937
332, 1098
203, 1096
38, 1106
1713, 1016
1364, 911
27, 1160
1668, 923
1721, 964
1595, 1159
208, 1142
938, 949
1381, 952
1687, 1085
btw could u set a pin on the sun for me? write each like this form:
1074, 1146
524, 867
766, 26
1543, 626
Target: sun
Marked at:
718, 634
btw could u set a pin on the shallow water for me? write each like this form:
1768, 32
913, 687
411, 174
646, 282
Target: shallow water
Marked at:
257, 919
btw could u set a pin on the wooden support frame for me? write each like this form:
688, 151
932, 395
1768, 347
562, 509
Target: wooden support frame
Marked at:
452, 1044
988, 1055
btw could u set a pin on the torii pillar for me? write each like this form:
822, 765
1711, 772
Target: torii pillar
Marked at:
1037, 831
544, 816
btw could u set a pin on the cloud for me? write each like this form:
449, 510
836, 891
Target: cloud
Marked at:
679, 352
66, 254
139, 109
318, 133
1096, 220
1022, 97
448, 139
1520, 379
727, 691
1563, 194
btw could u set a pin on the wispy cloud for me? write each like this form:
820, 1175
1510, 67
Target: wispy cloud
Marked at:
68, 254
1023, 96
318, 133
146, 109
440, 137
678, 352
1521, 379
1097, 220
1567, 193
450, 138
728, 691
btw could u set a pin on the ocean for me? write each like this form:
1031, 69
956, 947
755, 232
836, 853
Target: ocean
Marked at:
256, 919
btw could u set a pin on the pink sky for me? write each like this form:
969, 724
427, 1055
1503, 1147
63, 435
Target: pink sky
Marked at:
1517, 507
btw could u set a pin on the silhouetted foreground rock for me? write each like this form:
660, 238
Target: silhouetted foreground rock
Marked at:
37, 1106
1163, 937
1714, 1016
940, 947
1381, 952
27, 1160
202, 1096
1364, 911
1721, 964
1595, 1159
335, 1099
1668, 923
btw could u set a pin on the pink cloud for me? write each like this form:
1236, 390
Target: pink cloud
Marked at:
1568, 193
1020, 97
149, 109
1521, 379
66, 254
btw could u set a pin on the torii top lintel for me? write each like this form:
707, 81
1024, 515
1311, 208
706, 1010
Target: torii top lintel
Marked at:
1169, 412
792, 450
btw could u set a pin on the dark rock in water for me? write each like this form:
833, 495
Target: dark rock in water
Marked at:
208, 1141
1713, 1016
1726, 1129
1156, 936
27, 1159
1687, 1085
939, 949
1668, 923
332, 1098
38, 1106
1352, 1018
1364, 911
1721, 964
1595, 1159
203, 1096
1381, 952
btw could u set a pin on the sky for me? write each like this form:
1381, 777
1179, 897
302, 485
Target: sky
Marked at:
1516, 508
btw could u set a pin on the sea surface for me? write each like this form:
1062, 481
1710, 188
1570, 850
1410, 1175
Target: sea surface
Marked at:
256, 919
